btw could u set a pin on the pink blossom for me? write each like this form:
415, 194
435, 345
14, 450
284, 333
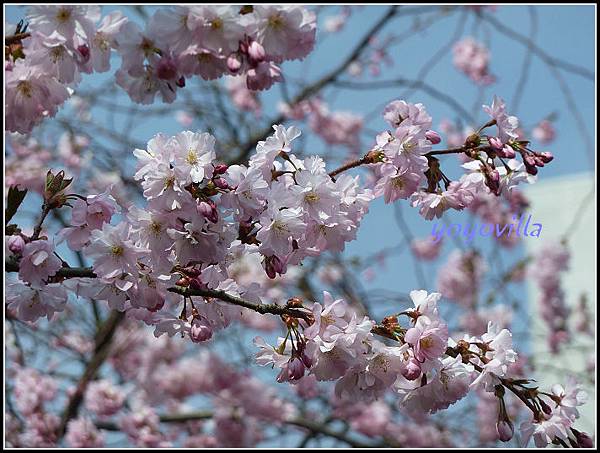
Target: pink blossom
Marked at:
114, 251
507, 125
426, 249
428, 340
544, 132
473, 58
31, 95
103, 398
82, 433
38, 263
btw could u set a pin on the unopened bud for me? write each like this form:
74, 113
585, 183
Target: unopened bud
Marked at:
538, 161
531, 169
496, 143
433, 137
546, 157
508, 152
529, 160
220, 169
84, 51
412, 370
200, 332
273, 266
256, 52
16, 244
505, 430
208, 210
234, 63
221, 183
204, 209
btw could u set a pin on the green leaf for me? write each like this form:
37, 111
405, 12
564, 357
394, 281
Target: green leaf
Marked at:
15, 198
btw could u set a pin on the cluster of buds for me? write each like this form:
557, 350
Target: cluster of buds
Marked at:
533, 159
250, 52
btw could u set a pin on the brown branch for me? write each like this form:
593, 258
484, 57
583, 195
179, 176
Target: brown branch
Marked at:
103, 342
273, 309
37, 230
13, 39
564, 65
263, 309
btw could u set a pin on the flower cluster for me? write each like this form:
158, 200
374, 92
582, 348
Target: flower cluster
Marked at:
406, 160
473, 59
334, 127
44, 64
186, 263
427, 369
211, 41
42, 69
549, 262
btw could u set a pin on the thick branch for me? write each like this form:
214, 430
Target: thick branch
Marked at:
103, 342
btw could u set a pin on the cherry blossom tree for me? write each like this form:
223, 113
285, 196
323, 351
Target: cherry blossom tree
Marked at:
192, 289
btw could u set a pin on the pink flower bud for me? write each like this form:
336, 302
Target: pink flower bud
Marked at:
209, 210
200, 332
16, 244
433, 137
84, 51
412, 370
234, 63
531, 169
166, 68
508, 152
180, 82
505, 430
273, 266
204, 209
220, 169
263, 76
538, 161
308, 362
221, 183
546, 157
256, 52
496, 143
492, 179
528, 160
292, 371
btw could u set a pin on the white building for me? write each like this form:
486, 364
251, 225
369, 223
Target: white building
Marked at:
567, 205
